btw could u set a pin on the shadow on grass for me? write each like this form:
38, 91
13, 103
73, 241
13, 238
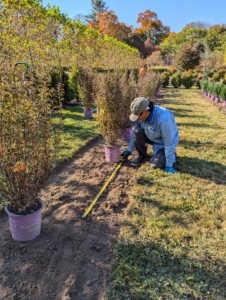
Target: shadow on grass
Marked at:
199, 125
202, 168
146, 270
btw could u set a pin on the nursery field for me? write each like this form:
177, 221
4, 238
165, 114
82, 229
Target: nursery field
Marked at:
151, 235
173, 242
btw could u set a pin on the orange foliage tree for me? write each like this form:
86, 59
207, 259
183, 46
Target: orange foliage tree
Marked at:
151, 27
107, 23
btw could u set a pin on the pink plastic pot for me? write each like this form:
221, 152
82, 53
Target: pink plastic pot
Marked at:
112, 153
25, 227
212, 97
224, 103
87, 113
217, 99
127, 134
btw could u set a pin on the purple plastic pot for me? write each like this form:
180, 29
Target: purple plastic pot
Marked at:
112, 153
25, 227
217, 99
87, 113
127, 134
213, 97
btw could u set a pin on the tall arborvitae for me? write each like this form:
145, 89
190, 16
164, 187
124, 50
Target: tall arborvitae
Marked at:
97, 5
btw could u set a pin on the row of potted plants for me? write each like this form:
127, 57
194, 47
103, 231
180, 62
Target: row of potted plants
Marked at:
29, 142
214, 90
112, 93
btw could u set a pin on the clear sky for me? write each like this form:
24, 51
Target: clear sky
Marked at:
173, 13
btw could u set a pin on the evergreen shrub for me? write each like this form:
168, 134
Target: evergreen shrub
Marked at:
176, 80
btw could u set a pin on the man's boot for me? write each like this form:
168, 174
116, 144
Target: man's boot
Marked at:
138, 161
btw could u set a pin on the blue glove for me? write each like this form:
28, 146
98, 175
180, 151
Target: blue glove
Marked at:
170, 170
125, 154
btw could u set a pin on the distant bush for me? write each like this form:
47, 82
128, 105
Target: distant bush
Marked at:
204, 84
187, 79
217, 89
172, 70
219, 76
166, 77
223, 93
158, 69
210, 87
176, 80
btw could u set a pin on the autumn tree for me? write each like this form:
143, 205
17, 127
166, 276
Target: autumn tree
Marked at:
97, 5
108, 24
151, 27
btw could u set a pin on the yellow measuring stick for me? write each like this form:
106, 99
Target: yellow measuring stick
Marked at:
101, 191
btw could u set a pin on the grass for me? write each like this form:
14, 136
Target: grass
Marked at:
173, 242
77, 132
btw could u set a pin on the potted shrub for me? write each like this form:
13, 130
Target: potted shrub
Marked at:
128, 87
28, 150
108, 97
210, 89
86, 77
216, 91
204, 85
149, 84
223, 95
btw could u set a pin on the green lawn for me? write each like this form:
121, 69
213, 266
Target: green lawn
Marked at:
173, 242
77, 131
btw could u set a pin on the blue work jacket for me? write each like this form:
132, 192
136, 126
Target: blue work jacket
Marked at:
162, 130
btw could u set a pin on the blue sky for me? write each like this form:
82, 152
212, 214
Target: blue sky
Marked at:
173, 13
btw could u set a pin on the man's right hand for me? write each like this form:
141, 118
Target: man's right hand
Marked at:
125, 154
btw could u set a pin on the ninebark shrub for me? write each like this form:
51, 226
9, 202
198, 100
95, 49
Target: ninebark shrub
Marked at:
28, 141
149, 84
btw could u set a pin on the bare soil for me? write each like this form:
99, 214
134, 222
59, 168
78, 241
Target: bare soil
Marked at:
72, 256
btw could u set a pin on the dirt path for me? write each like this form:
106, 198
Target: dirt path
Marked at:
72, 256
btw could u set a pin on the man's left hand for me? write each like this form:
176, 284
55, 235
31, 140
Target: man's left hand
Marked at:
170, 170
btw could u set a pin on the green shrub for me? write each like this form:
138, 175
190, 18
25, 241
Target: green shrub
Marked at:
187, 79
210, 87
223, 93
176, 80
204, 84
217, 89
166, 77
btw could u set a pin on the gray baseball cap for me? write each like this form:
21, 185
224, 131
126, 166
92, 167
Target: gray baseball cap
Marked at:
137, 106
